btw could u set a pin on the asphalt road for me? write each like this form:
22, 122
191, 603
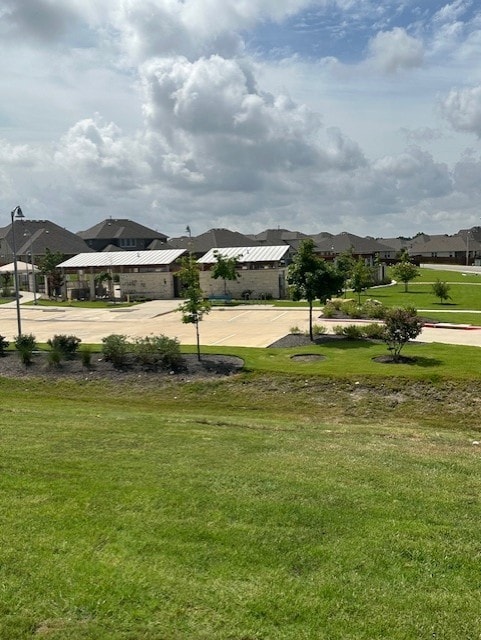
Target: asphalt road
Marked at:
248, 326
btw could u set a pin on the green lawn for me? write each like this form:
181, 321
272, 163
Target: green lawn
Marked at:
264, 506
351, 358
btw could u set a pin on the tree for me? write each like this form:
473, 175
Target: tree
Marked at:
361, 277
312, 278
344, 264
6, 280
225, 268
401, 325
100, 278
441, 290
195, 306
48, 268
405, 271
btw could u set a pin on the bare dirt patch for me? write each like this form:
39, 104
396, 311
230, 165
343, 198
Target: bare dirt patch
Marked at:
307, 357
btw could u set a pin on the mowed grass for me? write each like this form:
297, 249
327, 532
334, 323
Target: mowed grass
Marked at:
256, 507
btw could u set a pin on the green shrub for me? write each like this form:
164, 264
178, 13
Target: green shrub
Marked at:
373, 309
318, 329
350, 331
336, 302
3, 345
116, 349
329, 309
86, 356
374, 331
55, 357
157, 351
351, 309
401, 326
67, 345
26, 345
295, 329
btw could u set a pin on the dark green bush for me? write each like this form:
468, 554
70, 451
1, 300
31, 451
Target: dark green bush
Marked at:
67, 345
55, 357
26, 345
3, 345
157, 351
116, 350
86, 356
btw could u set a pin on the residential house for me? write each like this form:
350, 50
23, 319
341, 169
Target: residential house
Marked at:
456, 249
214, 238
367, 248
34, 237
277, 237
121, 233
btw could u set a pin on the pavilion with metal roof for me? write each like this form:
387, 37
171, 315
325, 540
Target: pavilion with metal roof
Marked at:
146, 274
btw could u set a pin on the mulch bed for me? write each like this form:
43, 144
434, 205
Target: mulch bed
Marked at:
210, 366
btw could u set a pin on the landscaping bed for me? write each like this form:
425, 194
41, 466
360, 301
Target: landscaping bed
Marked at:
211, 365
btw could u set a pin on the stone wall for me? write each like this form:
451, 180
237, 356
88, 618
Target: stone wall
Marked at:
154, 285
261, 282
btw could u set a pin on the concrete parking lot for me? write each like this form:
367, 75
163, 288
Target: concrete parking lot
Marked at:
249, 326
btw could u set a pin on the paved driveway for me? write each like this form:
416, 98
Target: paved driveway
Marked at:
252, 326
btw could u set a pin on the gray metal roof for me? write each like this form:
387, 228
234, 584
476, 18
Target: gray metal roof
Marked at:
247, 254
123, 258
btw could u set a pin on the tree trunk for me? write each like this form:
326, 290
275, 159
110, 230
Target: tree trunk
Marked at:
197, 339
311, 336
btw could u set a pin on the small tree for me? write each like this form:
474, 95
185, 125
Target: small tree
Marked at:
405, 271
401, 325
441, 290
361, 277
195, 306
100, 278
312, 278
344, 264
225, 268
48, 268
6, 281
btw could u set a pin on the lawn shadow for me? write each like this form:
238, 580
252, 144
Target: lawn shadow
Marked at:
416, 361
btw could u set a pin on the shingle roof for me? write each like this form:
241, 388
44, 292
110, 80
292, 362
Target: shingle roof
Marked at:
445, 244
42, 235
211, 239
119, 228
123, 259
247, 254
345, 241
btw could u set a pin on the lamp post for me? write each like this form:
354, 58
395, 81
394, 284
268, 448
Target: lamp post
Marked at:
16, 213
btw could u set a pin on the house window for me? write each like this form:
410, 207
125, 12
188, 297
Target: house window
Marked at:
127, 242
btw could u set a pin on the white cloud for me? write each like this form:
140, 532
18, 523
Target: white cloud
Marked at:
394, 50
194, 131
98, 153
462, 109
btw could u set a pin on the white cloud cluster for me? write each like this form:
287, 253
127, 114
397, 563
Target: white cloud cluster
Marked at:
395, 50
195, 130
462, 108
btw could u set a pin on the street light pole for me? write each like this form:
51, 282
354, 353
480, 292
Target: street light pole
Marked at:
16, 213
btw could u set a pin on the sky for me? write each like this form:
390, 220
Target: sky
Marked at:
322, 115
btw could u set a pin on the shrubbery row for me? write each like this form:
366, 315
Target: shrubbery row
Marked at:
150, 352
